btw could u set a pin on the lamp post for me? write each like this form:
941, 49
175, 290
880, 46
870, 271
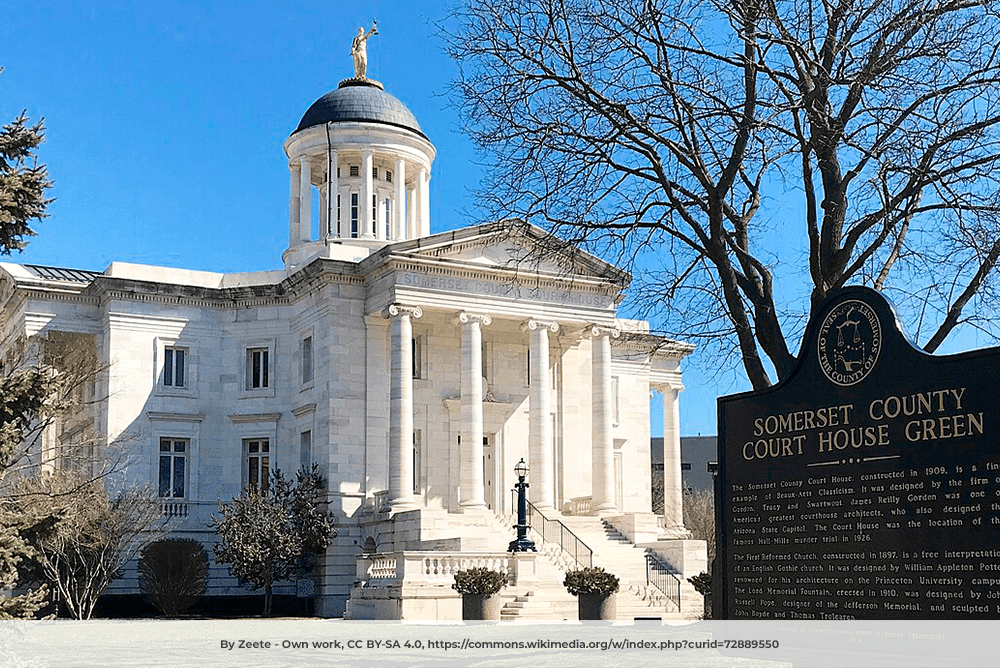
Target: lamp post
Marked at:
522, 543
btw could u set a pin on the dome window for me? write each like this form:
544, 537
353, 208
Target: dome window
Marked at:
355, 170
388, 176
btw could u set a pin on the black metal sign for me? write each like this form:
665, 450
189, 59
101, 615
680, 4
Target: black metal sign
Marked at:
867, 484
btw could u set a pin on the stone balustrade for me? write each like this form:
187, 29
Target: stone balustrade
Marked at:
581, 505
425, 568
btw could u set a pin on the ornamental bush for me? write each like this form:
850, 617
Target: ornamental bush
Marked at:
173, 574
594, 580
479, 580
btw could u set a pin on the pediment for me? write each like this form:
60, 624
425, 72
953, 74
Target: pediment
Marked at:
515, 247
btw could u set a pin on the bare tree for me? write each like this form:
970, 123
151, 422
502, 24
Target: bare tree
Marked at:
750, 156
93, 533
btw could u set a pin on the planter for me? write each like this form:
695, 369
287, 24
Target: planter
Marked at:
481, 607
597, 606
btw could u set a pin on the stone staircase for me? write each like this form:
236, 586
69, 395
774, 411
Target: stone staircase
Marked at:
550, 600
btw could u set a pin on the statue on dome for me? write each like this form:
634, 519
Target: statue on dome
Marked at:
359, 51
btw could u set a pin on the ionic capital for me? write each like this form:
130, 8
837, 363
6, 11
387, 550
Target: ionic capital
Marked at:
597, 331
533, 324
482, 318
393, 310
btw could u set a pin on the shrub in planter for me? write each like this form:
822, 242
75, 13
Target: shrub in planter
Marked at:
479, 588
173, 574
595, 590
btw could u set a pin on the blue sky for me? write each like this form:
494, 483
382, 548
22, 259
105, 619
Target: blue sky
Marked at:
165, 123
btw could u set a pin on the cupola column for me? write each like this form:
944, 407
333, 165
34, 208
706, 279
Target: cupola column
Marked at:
399, 225
423, 195
332, 188
293, 204
411, 213
540, 416
305, 198
367, 192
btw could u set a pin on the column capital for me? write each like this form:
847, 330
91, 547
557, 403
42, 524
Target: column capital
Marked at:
597, 331
533, 324
482, 318
399, 309
305, 159
666, 386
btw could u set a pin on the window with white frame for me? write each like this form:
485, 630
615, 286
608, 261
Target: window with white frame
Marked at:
388, 219
307, 359
417, 356
173, 366
305, 449
173, 467
258, 368
258, 462
354, 215
417, 470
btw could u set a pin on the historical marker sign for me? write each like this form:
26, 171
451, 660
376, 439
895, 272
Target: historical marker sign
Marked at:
867, 484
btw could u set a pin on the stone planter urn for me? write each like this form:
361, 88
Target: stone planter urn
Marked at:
480, 590
481, 607
597, 606
595, 591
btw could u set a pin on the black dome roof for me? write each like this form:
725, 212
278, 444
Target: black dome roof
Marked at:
358, 100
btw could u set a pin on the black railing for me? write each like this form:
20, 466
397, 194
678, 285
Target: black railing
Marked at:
554, 531
660, 575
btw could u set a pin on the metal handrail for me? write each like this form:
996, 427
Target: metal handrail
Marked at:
554, 531
660, 575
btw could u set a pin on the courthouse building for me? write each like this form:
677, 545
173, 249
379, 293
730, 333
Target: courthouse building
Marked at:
415, 366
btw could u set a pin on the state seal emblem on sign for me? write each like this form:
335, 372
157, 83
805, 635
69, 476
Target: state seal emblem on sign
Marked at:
850, 340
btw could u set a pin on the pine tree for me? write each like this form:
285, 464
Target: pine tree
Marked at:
272, 534
23, 183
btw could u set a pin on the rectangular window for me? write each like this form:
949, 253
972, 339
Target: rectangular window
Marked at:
258, 453
173, 457
257, 368
355, 170
388, 176
354, 215
374, 214
173, 367
338, 213
417, 353
307, 359
388, 219
305, 449
375, 172
416, 461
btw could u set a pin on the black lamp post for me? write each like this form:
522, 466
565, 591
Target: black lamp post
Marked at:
523, 543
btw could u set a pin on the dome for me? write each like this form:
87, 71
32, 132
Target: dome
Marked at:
360, 100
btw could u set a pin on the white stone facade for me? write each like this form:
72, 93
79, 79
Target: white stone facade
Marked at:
415, 368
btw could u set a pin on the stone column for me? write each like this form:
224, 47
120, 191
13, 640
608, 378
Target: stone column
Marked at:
401, 405
423, 195
603, 450
293, 204
673, 499
324, 213
411, 214
305, 198
473, 492
540, 418
332, 190
399, 227
367, 190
